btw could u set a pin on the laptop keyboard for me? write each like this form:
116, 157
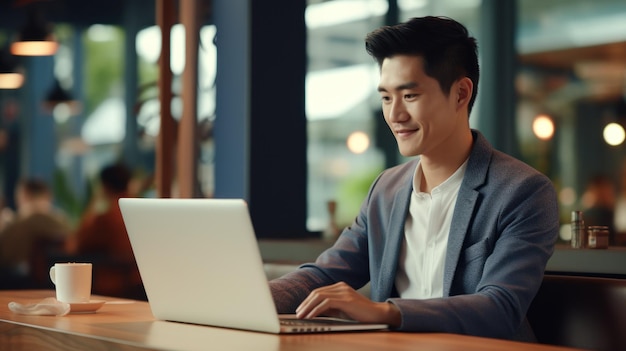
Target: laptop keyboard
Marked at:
312, 325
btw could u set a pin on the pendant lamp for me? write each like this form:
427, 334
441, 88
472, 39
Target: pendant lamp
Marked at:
35, 38
57, 96
10, 75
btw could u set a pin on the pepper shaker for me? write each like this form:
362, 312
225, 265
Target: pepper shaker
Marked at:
578, 230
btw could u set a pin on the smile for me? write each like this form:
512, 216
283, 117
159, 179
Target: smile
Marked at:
406, 132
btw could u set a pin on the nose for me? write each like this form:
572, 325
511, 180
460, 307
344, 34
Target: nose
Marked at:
396, 111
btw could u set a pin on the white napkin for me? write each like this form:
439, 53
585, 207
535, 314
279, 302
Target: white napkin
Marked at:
46, 307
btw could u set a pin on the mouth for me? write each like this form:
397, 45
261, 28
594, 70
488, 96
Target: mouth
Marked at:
406, 132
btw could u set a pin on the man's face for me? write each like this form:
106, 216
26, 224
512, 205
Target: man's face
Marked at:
422, 118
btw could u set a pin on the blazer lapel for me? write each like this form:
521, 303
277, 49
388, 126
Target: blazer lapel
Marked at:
460, 225
393, 246
475, 174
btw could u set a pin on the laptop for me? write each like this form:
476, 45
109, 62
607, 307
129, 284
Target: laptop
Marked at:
200, 263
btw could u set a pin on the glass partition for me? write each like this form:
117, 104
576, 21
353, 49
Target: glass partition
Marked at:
571, 111
348, 140
341, 79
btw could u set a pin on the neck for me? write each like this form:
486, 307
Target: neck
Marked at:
438, 167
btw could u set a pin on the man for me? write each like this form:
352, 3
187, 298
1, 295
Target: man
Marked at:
101, 238
36, 228
454, 241
599, 200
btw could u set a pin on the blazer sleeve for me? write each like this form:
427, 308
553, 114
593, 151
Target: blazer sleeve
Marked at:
340, 263
347, 261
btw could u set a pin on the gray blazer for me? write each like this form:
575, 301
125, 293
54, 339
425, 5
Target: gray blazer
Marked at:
503, 231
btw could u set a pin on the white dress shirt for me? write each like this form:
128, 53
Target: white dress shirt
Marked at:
422, 260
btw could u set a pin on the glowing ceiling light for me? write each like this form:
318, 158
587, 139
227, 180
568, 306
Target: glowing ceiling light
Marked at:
36, 38
358, 142
543, 127
614, 134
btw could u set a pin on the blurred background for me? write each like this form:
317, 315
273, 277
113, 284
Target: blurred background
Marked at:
310, 137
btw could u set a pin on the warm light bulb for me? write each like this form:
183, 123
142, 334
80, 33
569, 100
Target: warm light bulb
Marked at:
11, 80
34, 48
543, 127
614, 134
358, 142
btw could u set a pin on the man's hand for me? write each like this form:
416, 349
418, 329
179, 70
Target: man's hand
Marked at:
340, 300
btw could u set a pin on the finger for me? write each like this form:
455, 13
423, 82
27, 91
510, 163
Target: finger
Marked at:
323, 306
315, 294
314, 299
324, 300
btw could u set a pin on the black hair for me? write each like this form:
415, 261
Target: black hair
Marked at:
448, 51
35, 187
115, 178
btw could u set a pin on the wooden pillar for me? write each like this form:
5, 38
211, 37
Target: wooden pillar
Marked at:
187, 129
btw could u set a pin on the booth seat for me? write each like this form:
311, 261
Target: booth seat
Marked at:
582, 312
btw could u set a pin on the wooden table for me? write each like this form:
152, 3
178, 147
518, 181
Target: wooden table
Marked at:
129, 325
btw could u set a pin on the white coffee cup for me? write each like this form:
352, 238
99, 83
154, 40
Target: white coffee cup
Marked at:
72, 281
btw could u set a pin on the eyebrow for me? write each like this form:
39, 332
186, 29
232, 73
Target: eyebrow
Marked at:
409, 85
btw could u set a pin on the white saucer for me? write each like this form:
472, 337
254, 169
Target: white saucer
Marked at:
86, 307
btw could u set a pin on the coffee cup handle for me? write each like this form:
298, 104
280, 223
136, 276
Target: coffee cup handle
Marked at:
52, 275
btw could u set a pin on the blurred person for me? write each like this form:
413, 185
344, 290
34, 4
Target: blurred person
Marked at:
101, 237
6, 214
455, 240
620, 210
35, 228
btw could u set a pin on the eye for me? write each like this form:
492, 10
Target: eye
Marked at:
385, 99
410, 96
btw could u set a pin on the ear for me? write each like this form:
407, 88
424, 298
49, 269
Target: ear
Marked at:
463, 90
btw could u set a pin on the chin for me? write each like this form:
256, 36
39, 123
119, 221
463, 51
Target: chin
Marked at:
408, 148
408, 152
